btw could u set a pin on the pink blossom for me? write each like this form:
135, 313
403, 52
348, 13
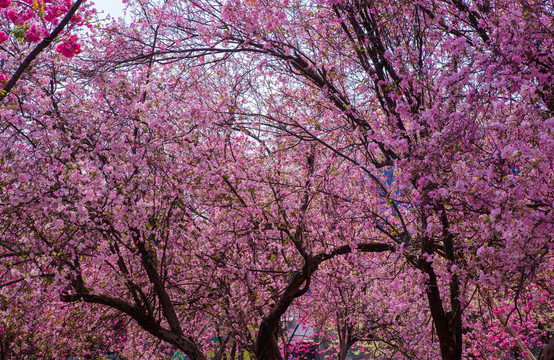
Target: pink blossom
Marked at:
53, 15
5, 3
34, 34
70, 47
19, 17
3, 37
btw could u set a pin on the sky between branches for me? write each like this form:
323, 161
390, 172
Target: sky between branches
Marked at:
114, 8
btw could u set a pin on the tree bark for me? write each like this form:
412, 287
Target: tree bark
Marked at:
266, 347
549, 351
447, 324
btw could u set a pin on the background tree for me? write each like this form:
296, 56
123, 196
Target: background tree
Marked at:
205, 163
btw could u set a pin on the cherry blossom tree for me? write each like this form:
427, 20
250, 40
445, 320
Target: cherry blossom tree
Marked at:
382, 167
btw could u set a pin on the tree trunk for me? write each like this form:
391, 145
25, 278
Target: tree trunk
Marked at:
345, 339
549, 351
267, 347
447, 325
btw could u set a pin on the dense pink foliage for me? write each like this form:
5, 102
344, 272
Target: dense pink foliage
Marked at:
33, 20
34, 34
69, 47
212, 174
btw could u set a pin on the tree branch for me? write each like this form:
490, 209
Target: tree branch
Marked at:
38, 49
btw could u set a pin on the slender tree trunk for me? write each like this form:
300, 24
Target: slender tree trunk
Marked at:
549, 351
5, 341
343, 352
345, 339
447, 324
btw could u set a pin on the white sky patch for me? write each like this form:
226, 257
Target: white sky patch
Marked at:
113, 8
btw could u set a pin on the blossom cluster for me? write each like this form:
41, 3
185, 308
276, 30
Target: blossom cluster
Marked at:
31, 21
